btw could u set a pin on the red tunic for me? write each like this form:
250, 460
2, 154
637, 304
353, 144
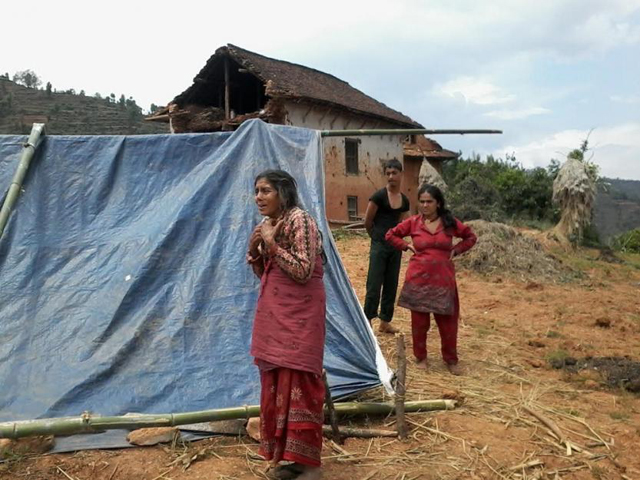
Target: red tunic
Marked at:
430, 282
289, 325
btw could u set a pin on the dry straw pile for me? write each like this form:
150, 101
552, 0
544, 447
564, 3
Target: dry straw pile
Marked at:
504, 251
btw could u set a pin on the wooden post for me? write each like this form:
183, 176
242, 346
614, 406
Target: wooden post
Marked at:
401, 386
227, 101
333, 419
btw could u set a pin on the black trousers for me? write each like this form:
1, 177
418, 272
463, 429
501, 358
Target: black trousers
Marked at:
384, 268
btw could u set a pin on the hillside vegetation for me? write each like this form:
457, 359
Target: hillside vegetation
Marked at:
502, 190
69, 113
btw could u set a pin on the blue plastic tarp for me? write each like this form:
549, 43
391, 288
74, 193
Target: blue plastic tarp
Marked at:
123, 281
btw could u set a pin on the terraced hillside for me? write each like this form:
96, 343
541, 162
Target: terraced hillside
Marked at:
68, 114
617, 208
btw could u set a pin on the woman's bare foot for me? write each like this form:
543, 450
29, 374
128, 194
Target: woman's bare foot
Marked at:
421, 364
454, 369
386, 327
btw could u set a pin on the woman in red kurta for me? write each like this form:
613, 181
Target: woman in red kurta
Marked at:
430, 282
285, 252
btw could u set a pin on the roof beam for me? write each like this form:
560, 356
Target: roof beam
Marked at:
405, 131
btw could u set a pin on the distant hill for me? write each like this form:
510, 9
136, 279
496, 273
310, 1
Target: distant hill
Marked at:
617, 209
68, 114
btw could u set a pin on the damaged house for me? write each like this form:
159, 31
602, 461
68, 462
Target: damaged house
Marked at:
236, 85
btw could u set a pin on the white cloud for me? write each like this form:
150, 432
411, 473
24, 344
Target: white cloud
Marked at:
616, 149
630, 99
517, 114
474, 90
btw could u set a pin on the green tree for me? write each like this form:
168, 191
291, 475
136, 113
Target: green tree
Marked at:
498, 189
28, 78
48, 88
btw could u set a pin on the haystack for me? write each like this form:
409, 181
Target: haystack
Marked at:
502, 250
574, 191
428, 174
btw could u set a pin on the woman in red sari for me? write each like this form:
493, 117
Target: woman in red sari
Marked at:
285, 252
430, 283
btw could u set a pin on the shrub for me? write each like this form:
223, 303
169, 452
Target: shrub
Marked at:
628, 242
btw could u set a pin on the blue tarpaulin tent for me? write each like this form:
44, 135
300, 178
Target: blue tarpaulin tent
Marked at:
123, 282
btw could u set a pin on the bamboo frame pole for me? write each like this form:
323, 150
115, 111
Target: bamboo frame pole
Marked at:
401, 365
328, 401
227, 90
358, 432
88, 423
16, 183
405, 131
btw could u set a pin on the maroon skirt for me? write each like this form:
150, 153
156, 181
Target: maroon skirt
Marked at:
291, 416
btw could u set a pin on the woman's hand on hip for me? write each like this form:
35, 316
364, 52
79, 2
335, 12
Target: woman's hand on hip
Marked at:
411, 248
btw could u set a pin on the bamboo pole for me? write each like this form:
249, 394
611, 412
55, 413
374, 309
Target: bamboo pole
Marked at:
401, 365
16, 184
358, 432
405, 131
328, 401
88, 423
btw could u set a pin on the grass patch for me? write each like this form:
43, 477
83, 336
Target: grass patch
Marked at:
340, 234
618, 415
553, 334
483, 331
632, 259
572, 411
634, 317
559, 355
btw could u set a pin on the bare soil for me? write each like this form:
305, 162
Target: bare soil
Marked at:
511, 332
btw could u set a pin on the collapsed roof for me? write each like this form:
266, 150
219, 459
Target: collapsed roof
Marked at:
254, 80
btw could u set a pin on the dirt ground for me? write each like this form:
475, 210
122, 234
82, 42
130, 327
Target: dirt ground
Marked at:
511, 334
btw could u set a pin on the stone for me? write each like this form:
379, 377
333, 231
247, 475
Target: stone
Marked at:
153, 436
453, 395
253, 428
535, 363
634, 385
26, 446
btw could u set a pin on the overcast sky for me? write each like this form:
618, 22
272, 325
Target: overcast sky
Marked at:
546, 72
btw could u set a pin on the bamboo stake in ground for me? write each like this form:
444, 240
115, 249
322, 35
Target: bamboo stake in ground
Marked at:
401, 425
333, 419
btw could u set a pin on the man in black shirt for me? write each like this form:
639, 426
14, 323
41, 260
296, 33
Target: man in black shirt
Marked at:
384, 211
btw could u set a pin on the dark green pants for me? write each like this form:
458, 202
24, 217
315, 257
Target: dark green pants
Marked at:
384, 268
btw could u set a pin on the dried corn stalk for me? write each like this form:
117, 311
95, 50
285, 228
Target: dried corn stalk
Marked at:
428, 174
574, 191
